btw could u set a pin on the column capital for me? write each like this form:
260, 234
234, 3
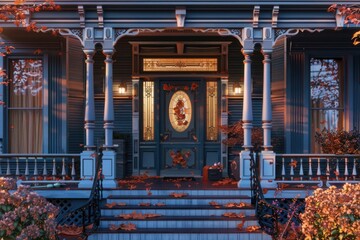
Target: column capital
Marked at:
89, 52
247, 52
108, 52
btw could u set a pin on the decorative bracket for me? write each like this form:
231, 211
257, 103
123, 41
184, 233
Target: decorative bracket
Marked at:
275, 15
121, 32
81, 12
235, 32
180, 14
100, 14
281, 33
340, 18
256, 14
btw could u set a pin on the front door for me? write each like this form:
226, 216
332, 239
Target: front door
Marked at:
181, 128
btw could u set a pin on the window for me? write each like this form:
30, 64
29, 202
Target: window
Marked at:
327, 87
148, 111
25, 106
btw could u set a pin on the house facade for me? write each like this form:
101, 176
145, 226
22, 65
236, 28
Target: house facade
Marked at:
164, 76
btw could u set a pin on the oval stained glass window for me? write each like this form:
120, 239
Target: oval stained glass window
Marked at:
180, 111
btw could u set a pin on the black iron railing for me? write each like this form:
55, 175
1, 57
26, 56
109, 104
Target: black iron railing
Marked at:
272, 218
87, 216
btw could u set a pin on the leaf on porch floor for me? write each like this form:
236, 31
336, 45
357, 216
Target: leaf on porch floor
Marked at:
265, 190
121, 204
144, 204
111, 205
283, 185
178, 195
132, 187
300, 185
241, 225
159, 204
236, 205
234, 215
136, 215
252, 228
123, 226
70, 230
225, 181
214, 203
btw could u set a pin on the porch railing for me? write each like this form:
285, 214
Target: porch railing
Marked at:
45, 168
317, 168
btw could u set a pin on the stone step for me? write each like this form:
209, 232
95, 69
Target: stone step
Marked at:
187, 200
182, 222
177, 210
179, 234
209, 192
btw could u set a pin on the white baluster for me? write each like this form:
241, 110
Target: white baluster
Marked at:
17, 172
8, 172
27, 169
292, 169
327, 169
35, 169
310, 169
318, 172
54, 169
73, 173
63, 172
283, 169
354, 173
337, 170
45, 169
346, 173
301, 172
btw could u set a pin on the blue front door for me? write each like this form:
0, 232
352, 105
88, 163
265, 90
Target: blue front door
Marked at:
181, 128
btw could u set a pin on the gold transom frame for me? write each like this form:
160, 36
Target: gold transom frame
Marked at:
180, 64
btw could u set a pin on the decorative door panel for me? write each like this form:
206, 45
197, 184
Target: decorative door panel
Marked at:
180, 128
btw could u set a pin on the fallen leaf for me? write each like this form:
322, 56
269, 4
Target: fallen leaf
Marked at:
132, 187
144, 204
233, 215
213, 203
160, 204
110, 205
128, 227
178, 195
300, 186
240, 225
121, 204
265, 190
252, 228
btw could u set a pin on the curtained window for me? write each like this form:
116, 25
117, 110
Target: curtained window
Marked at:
327, 89
25, 106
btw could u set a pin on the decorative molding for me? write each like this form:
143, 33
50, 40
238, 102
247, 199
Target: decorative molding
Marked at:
180, 14
75, 32
121, 32
81, 12
234, 32
180, 64
256, 13
275, 15
100, 14
281, 33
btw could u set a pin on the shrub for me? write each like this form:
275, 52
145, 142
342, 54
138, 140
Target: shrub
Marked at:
339, 141
24, 214
332, 213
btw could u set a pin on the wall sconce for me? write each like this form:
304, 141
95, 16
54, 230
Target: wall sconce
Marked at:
237, 88
122, 88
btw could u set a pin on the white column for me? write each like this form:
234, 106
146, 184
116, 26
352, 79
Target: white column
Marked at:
109, 103
247, 117
266, 107
89, 104
267, 156
87, 158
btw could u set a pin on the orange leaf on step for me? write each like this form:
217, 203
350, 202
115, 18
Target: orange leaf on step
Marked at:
110, 205
213, 203
144, 204
252, 228
160, 204
240, 225
128, 227
132, 187
121, 204
178, 195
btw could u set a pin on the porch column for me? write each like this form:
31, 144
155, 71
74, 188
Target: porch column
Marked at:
266, 107
87, 165
109, 103
267, 156
247, 118
109, 155
89, 104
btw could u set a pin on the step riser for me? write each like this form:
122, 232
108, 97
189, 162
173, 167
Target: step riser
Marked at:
179, 201
178, 236
190, 192
178, 212
180, 224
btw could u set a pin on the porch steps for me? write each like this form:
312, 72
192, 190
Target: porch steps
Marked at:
188, 218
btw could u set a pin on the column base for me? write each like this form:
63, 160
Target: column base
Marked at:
109, 168
87, 168
245, 174
268, 169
